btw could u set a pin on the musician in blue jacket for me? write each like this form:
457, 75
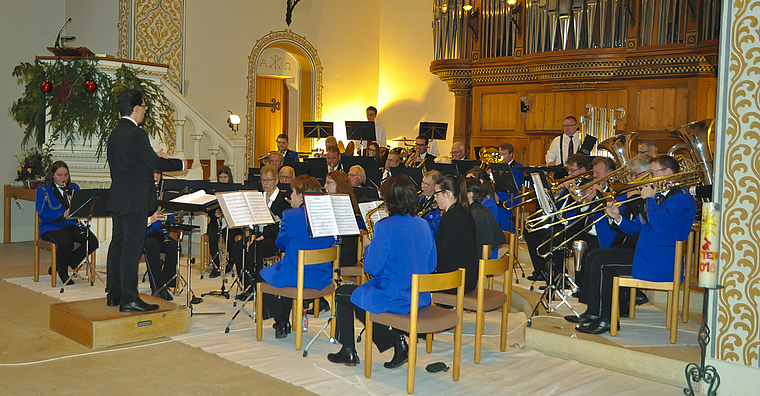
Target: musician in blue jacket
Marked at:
402, 244
52, 205
668, 219
294, 236
505, 215
157, 241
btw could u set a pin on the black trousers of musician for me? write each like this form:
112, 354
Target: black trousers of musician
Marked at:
213, 239
383, 336
536, 238
66, 256
603, 266
253, 262
127, 241
160, 272
348, 251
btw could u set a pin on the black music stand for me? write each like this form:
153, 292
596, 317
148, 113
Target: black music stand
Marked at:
371, 169
362, 131
317, 167
317, 129
173, 188
434, 130
366, 194
414, 173
504, 180
463, 166
445, 169
86, 204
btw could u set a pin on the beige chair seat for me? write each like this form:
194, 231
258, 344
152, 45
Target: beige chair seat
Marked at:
292, 292
431, 318
492, 300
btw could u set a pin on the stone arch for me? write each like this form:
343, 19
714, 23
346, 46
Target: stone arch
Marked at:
310, 89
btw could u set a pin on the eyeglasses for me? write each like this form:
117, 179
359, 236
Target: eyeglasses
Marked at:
573, 170
437, 192
267, 180
569, 126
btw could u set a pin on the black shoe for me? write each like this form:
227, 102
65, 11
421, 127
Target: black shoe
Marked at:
324, 306
641, 298
537, 277
243, 296
50, 270
400, 355
137, 306
281, 329
346, 355
214, 273
164, 294
599, 326
112, 302
287, 327
582, 320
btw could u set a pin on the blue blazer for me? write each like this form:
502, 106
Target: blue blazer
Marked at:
667, 223
402, 245
294, 236
156, 226
50, 206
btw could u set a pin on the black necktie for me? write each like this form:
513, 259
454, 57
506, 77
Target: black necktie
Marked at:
570, 147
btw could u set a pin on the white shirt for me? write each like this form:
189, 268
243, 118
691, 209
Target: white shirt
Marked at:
553, 155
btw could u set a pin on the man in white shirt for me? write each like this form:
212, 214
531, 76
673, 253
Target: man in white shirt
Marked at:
379, 130
564, 145
458, 152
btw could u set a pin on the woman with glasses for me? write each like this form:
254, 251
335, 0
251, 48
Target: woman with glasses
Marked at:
456, 237
264, 240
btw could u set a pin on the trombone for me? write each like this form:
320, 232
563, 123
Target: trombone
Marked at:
556, 184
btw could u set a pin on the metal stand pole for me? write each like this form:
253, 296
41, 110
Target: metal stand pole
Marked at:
702, 372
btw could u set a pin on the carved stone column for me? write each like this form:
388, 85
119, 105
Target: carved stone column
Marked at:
212, 152
197, 136
238, 165
179, 129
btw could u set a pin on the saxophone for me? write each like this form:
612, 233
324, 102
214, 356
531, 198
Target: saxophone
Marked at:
370, 222
427, 210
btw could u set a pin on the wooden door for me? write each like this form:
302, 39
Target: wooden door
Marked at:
271, 115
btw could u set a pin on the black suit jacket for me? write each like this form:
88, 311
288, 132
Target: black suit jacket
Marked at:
456, 245
279, 205
132, 161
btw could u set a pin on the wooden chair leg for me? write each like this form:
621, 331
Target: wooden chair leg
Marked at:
259, 311
632, 303
429, 342
688, 267
479, 327
669, 310
367, 346
504, 325
332, 322
316, 308
54, 266
457, 350
298, 325
412, 357
614, 317
36, 264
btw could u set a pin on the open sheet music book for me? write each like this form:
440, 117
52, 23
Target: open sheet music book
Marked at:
199, 197
377, 215
330, 215
244, 208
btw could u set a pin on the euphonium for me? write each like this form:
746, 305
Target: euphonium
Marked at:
618, 146
489, 155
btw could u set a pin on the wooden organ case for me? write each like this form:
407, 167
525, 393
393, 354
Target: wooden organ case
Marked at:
517, 70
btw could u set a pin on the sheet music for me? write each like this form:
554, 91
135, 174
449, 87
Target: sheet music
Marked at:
365, 207
199, 197
258, 205
344, 214
319, 213
242, 209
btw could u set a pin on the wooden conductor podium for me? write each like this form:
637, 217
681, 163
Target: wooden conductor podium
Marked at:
96, 325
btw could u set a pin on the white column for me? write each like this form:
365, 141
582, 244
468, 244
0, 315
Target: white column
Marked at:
213, 152
179, 130
237, 162
197, 136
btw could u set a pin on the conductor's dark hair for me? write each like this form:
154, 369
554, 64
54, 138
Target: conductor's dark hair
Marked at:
128, 100
399, 194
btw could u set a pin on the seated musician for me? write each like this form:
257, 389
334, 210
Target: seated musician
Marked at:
357, 176
275, 159
667, 219
52, 204
489, 198
487, 230
374, 151
421, 154
427, 208
402, 245
458, 152
393, 161
286, 174
265, 241
294, 236
337, 182
157, 241
217, 229
505, 215
576, 165
456, 238
614, 245
333, 159
282, 146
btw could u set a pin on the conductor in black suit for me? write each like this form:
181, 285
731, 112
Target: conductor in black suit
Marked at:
132, 199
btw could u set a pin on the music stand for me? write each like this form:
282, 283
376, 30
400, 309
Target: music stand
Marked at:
414, 173
86, 204
317, 129
366, 194
369, 165
317, 167
362, 131
173, 188
434, 130
463, 166
445, 169
504, 180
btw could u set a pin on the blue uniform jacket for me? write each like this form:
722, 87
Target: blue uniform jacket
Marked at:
156, 226
294, 236
50, 209
604, 231
667, 223
402, 245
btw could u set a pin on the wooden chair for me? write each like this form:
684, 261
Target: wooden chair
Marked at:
47, 245
485, 300
356, 272
299, 293
692, 262
429, 320
671, 287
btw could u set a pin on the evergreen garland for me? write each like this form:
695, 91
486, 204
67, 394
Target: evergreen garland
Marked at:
75, 114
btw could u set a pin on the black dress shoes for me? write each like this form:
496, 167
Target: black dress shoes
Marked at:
400, 355
243, 296
137, 306
113, 302
641, 298
164, 294
599, 326
582, 320
537, 277
324, 306
214, 273
281, 329
346, 355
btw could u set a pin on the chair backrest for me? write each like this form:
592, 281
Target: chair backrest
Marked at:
422, 283
494, 266
486, 252
678, 263
318, 256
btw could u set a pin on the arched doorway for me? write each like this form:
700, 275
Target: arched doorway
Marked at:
283, 67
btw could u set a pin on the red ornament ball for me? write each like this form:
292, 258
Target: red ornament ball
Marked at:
90, 86
46, 87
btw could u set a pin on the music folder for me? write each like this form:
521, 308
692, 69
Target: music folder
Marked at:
330, 215
244, 208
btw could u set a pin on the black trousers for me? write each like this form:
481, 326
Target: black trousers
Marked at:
383, 336
536, 238
159, 273
214, 234
602, 266
249, 268
127, 241
66, 256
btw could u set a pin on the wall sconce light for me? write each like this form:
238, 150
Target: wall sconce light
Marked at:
233, 121
467, 5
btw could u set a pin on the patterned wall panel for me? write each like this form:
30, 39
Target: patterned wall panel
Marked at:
738, 319
153, 31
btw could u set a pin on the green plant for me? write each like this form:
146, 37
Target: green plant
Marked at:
72, 112
34, 163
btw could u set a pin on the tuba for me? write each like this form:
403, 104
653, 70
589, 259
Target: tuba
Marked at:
489, 155
696, 138
619, 146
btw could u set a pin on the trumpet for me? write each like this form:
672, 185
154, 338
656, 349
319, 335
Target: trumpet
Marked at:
414, 161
